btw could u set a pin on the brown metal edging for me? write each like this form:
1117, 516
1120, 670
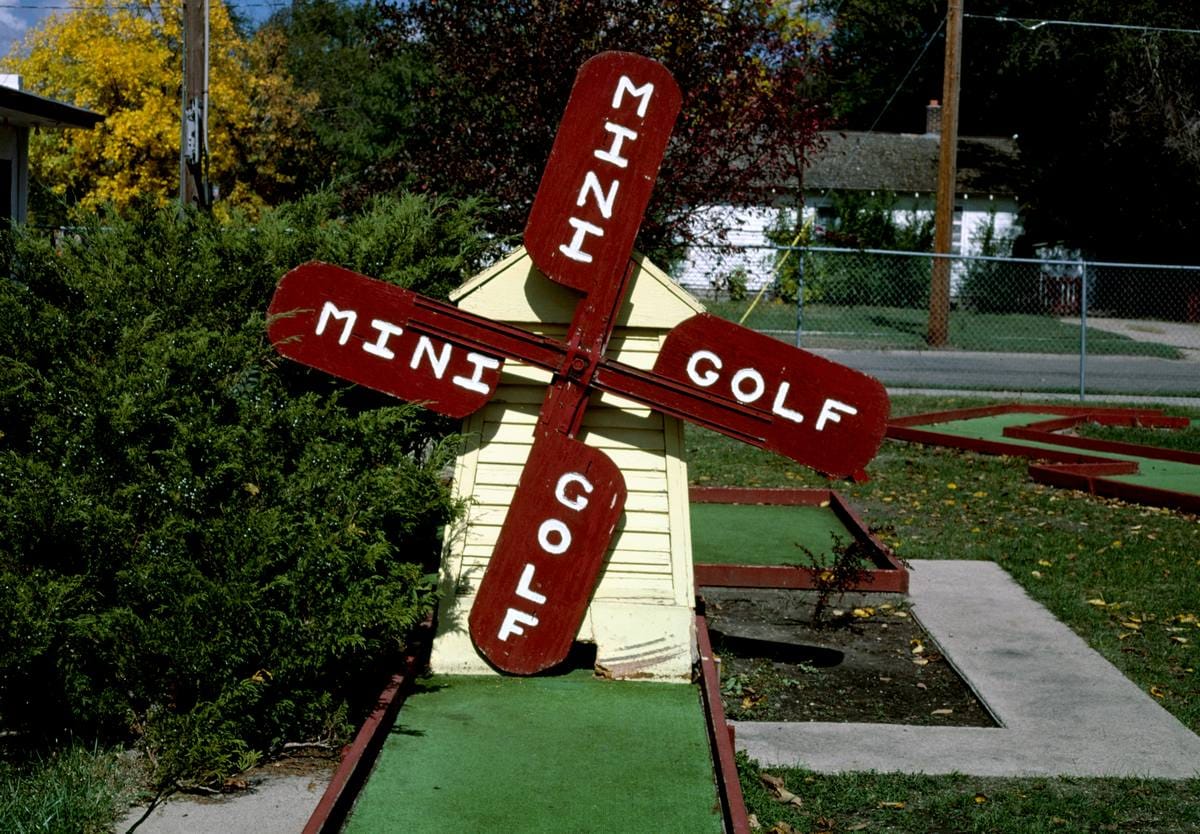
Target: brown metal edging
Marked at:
335, 803
720, 736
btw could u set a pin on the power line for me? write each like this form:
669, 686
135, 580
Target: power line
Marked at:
1033, 24
904, 80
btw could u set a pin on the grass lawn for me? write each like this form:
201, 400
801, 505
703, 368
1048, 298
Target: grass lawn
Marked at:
74, 791
1124, 577
904, 328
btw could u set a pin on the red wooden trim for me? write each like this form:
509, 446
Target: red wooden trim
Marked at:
890, 575
1039, 433
359, 757
795, 578
1010, 408
988, 447
720, 736
1065, 469
1087, 479
947, 416
884, 556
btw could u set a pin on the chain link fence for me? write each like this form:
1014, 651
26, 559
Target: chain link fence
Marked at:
871, 299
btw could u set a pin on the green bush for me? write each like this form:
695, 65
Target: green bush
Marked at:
859, 221
202, 546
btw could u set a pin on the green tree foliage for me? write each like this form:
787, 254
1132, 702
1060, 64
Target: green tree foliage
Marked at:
202, 546
464, 98
125, 62
861, 221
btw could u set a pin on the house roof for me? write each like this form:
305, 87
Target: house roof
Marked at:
513, 290
907, 162
23, 109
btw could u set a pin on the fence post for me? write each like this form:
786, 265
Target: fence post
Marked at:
800, 297
1083, 305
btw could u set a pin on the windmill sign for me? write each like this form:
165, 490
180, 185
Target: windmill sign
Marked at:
580, 234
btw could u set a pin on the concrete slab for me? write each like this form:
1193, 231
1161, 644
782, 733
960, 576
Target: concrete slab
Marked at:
1063, 709
274, 804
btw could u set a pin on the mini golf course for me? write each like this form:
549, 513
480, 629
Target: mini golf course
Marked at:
784, 538
1131, 472
568, 752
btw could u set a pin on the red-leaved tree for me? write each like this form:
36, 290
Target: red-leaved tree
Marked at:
502, 72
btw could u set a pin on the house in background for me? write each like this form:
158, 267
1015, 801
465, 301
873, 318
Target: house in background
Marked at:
19, 113
903, 165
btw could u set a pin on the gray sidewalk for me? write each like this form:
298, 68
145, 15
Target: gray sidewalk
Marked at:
1064, 710
1024, 371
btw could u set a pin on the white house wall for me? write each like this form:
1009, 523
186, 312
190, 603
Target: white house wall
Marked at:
746, 248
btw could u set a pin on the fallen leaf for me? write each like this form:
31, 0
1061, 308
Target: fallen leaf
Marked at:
920, 661
942, 712
980, 798
777, 788
752, 821
916, 646
1157, 693
858, 826
893, 805
782, 827
922, 686
1131, 624
863, 613
1057, 821
900, 614
1046, 563
952, 485
1183, 641
1099, 603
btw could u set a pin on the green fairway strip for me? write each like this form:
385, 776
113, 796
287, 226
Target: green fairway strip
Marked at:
570, 753
1161, 474
753, 534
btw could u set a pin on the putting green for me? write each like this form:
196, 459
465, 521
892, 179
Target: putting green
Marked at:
765, 534
571, 753
1161, 474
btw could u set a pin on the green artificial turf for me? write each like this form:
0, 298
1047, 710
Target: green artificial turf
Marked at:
1161, 474
757, 534
554, 754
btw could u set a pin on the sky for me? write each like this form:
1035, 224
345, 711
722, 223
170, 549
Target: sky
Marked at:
18, 16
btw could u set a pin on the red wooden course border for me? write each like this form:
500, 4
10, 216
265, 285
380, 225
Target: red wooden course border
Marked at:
359, 756
889, 575
720, 736
1064, 468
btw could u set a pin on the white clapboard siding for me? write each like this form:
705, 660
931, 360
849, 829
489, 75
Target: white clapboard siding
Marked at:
649, 557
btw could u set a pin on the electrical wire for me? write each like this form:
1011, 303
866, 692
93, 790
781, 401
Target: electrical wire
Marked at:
904, 80
1033, 24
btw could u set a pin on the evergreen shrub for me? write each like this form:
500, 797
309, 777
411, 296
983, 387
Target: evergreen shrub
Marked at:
203, 547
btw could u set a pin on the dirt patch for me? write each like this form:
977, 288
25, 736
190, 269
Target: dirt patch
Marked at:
867, 661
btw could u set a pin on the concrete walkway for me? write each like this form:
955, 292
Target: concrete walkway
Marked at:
1063, 709
276, 803
1028, 372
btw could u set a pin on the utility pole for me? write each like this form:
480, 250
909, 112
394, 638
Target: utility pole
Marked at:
193, 154
943, 227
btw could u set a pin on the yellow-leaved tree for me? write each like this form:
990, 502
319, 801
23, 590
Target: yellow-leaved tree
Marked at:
125, 62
